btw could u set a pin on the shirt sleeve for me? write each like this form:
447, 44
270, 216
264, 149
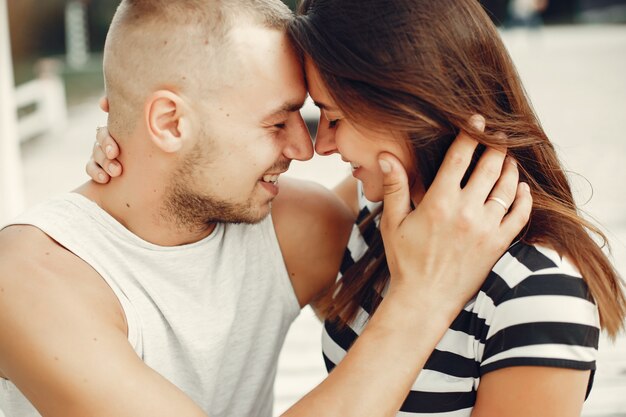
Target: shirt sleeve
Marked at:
542, 314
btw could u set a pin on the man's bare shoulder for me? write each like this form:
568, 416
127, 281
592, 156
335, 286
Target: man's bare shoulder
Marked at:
63, 340
19, 237
28, 255
313, 226
41, 281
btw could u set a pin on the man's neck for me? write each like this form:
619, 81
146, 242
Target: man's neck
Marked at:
136, 201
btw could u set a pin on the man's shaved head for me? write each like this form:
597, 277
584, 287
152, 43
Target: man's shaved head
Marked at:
181, 46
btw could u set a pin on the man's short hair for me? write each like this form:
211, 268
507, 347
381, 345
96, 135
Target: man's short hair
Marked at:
180, 45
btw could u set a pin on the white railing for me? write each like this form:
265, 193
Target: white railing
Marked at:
47, 94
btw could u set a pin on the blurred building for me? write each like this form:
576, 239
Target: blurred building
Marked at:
566, 11
38, 30
38, 26
599, 11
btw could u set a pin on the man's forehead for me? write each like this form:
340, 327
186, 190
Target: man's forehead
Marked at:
264, 101
262, 47
267, 77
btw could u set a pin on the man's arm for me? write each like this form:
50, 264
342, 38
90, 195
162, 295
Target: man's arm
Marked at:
373, 379
312, 226
63, 339
347, 191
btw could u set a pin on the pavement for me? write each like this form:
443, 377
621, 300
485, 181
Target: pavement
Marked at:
575, 79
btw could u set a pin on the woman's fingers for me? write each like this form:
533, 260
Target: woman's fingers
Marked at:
102, 165
397, 198
104, 104
518, 214
455, 235
457, 159
96, 173
486, 174
503, 193
107, 143
104, 153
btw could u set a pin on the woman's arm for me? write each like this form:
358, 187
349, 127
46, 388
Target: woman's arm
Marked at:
433, 274
531, 391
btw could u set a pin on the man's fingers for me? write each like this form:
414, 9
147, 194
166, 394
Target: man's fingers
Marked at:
518, 214
96, 173
458, 158
397, 199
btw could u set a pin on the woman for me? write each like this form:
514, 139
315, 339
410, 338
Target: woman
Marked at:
414, 72
396, 81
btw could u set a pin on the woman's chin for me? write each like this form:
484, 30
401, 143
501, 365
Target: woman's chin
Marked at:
374, 195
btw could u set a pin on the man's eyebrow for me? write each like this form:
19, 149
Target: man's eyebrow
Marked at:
288, 107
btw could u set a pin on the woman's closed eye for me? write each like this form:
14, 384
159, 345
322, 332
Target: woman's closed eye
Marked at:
332, 122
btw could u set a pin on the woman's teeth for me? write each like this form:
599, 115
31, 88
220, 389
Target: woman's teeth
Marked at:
270, 178
354, 166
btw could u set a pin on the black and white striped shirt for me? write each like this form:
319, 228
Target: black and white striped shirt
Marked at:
533, 309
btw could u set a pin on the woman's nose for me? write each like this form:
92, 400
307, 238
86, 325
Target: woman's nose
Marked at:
325, 138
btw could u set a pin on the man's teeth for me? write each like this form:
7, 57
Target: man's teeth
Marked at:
270, 178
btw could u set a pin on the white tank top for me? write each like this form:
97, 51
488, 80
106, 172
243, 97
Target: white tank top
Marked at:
210, 316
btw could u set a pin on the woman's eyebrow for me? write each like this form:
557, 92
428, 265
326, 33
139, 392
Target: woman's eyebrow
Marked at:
323, 106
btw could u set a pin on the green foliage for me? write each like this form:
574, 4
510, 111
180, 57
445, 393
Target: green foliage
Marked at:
291, 3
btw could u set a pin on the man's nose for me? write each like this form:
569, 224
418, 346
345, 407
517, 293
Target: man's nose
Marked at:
299, 145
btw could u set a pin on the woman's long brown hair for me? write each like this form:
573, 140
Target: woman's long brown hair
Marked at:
422, 68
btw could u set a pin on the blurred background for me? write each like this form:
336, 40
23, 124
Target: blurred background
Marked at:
54, 28
571, 56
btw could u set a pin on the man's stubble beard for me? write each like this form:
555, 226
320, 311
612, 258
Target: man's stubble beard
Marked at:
194, 211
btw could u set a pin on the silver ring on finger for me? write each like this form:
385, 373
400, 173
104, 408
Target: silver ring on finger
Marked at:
500, 201
98, 130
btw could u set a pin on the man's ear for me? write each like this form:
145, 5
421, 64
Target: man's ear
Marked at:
167, 121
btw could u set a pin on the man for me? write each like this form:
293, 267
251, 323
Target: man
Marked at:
169, 291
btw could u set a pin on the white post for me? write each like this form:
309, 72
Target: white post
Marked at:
76, 35
11, 180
